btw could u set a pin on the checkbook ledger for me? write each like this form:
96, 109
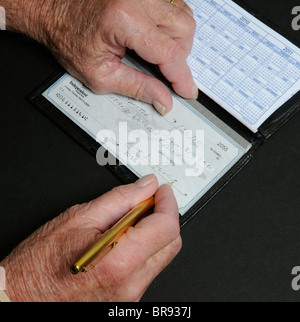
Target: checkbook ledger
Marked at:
248, 74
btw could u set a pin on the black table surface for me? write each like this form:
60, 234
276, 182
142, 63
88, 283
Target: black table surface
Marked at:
242, 247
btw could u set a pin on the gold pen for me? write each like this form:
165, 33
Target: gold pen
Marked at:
110, 237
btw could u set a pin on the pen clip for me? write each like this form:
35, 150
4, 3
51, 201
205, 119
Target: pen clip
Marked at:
91, 266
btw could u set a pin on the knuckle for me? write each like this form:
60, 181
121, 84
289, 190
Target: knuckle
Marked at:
120, 195
172, 50
78, 209
192, 25
176, 229
139, 91
121, 192
111, 7
95, 81
178, 244
172, 228
97, 77
188, 26
74, 210
114, 11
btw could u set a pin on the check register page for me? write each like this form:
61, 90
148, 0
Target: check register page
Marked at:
242, 64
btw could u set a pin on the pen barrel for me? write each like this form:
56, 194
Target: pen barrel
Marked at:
111, 236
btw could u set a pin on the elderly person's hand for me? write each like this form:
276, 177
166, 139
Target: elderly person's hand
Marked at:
39, 269
89, 38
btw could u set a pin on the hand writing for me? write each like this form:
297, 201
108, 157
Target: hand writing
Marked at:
39, 268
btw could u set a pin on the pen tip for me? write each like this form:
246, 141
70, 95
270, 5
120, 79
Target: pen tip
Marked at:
74, 270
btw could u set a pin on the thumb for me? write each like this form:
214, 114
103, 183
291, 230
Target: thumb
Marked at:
128, 81
106, 210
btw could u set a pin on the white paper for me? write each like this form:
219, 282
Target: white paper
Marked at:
96, 113
242, 64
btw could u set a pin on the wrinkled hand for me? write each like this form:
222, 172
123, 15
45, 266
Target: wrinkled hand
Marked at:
89, 38
39, 269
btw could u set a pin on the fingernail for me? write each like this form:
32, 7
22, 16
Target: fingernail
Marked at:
160, 108
145, 181
195, 91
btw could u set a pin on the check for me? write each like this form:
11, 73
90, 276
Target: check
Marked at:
128, 129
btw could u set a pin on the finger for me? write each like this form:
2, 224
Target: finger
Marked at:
177, 71
163, 258
139, 280
158, 262
166, 53
183, 6
130, 82
151, 234
176, 20
109, 208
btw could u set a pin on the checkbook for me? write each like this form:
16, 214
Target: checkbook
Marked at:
248, 75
